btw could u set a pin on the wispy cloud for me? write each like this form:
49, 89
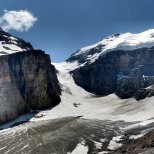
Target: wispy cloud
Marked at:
21, 20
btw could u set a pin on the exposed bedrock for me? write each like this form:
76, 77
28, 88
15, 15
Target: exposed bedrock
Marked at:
125, 73
27, 81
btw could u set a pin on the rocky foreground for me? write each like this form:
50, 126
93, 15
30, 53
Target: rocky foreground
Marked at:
74, 135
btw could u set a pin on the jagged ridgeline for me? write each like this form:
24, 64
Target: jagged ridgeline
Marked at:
28, 81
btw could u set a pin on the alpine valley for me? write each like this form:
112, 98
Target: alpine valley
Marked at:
100, 100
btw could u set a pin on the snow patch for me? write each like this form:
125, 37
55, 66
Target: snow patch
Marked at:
136, 136
80, 149
98, 145
103, 140
126, 41
140, 124
103, 152
114, 143
10, 46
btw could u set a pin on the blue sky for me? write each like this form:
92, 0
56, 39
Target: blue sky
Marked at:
65, 26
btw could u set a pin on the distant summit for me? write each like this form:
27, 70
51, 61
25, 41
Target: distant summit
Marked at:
11, 44
121, 64
126, 42
28, 80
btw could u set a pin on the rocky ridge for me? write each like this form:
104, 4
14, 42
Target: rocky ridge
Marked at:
28, 80
10, 44
125, 70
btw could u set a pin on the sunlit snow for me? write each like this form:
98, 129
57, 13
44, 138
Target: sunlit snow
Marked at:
126, 41
103, 108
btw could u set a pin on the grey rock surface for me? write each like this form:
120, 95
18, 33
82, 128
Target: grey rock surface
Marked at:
28, 81
120, 72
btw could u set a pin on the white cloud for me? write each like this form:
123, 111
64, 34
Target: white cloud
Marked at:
21, 20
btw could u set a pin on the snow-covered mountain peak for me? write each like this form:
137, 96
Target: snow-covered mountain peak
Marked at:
102, 43
11, 44
125, 41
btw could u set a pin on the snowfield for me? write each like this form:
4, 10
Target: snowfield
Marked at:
10, 44
9, 48
113, 143
80, 149
78, 102
125, 41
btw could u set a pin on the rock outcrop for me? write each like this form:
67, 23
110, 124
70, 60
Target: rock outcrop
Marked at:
125, 73
145, 92
28, 81
11, 44
121, 64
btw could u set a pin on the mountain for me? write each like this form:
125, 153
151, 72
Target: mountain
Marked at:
11, 44
28, 80
121, 64
126, 42
82, 122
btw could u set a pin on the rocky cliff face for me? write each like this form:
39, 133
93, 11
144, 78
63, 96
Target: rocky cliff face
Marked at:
127, 73
122, 72
27, 81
